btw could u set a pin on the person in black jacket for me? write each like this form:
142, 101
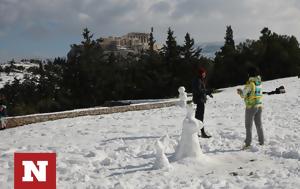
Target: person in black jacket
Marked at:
199, 97
3, 113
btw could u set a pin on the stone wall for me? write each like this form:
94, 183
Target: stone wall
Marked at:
35, 118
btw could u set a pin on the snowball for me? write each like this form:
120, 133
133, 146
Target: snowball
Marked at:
107, 161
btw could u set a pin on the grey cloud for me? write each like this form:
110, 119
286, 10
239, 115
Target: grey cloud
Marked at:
205, 8
7, 15
205, 20
160, 7
247, 16
122, 15
34, 15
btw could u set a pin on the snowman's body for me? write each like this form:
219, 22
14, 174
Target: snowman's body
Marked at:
189, 143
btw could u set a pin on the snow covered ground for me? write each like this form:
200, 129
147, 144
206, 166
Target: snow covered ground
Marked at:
4, 78
118, 150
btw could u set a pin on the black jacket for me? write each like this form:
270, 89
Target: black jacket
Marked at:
3, 112
199, 91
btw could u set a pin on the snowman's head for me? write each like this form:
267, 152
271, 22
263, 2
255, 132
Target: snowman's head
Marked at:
159, 147
190, 108
181, 89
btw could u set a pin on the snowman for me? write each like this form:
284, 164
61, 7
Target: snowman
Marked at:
188, 145
161, 161
182, 97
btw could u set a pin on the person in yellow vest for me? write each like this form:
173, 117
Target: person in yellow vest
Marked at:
252, 95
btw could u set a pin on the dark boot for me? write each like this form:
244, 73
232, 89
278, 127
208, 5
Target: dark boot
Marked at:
203, 134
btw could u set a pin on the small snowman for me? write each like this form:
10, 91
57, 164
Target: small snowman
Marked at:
182, 97
188, 145
161, 161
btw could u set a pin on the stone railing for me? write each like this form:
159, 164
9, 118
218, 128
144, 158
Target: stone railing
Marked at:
35, 118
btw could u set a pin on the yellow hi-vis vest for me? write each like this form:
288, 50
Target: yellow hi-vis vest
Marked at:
253, 98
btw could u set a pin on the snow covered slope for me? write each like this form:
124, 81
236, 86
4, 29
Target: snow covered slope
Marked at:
118, 150
19, 74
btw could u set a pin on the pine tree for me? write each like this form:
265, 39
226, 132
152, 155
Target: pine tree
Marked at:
151, 42
87, 37
265, 32
112, 59
171, 58
229, 42
228, 50
226, 67
188, 50
171, 50
84, 75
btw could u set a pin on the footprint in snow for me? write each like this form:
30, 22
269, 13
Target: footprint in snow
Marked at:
90, 154
233, 173
82, 133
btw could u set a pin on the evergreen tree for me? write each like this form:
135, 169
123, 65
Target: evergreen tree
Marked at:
279, 55
229, 45
112, 59
189, 62
226, 67
87, 37
171, 57
151, 42
151, 55
188, 50
266, 33
171, 50
84, 73
229, 42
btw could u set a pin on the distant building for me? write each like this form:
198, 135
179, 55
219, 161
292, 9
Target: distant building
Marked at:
132, 42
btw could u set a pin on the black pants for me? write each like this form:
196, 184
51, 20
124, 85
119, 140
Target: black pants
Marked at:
200, 111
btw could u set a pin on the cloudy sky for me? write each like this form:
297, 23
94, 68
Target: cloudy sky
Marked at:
46, 28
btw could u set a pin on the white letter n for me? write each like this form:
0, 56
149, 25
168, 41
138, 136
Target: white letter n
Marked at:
40, 173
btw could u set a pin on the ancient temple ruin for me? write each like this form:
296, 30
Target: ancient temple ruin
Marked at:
132, 42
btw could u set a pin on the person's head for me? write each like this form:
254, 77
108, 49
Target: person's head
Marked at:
252, 71
202, 73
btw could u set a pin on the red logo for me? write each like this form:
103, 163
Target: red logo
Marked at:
35, 170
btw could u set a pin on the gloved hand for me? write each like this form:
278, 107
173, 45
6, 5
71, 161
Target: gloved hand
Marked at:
209, 91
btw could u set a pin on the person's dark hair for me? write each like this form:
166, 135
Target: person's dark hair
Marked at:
201, 71
253, 71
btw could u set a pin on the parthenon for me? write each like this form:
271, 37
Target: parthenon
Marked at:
133, 41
